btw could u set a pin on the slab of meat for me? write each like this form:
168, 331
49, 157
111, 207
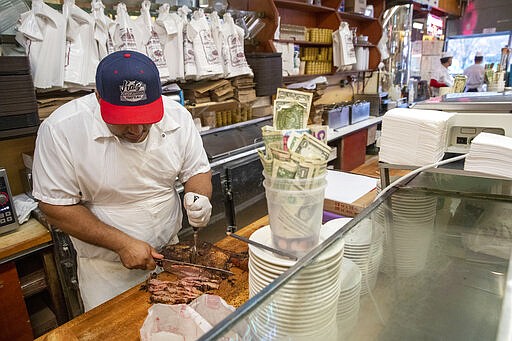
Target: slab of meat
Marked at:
183, 271
183, 290
207, 254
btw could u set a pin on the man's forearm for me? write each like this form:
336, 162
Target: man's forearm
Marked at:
79, 222
200, 184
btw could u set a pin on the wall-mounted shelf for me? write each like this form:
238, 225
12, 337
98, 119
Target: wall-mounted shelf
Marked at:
302, 78
301, 42
355, 16
302, 6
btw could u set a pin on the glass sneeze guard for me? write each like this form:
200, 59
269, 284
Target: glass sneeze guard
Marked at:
426, 261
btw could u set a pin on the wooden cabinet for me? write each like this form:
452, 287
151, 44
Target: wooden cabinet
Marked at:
15, 323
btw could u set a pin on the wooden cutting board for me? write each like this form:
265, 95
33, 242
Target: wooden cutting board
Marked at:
122, 317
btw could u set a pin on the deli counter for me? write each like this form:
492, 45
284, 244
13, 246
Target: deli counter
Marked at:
432, 264
426, 261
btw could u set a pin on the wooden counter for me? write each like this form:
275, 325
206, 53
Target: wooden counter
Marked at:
122, 317
29, 235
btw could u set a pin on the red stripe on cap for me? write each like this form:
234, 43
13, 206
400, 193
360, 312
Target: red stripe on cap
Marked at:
139, 114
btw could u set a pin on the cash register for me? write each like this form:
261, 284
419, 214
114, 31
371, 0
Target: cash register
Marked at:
8, 218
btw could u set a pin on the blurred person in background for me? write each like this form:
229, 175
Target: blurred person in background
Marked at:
475, 74
441, 76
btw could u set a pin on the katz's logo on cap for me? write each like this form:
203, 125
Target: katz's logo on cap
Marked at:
129, 89
132, 91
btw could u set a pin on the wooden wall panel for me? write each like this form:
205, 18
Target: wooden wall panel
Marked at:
11, 160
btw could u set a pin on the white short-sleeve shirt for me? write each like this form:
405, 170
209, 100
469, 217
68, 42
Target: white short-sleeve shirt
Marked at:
78, 160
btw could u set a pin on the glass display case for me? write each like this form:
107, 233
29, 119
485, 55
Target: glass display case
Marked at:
426, 261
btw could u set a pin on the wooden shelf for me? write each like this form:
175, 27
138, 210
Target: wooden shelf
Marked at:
302, 6
364, 44
301, 42
212, 106
301, 78
355, 16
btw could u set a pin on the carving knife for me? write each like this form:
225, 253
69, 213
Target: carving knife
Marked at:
177, 262
196, 236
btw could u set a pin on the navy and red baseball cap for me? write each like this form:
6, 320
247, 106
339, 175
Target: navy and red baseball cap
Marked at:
129, 87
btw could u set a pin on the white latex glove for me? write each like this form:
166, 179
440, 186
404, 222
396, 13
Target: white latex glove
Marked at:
198, 209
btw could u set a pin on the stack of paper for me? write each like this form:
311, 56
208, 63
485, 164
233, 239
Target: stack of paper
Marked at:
413, 137
491, 154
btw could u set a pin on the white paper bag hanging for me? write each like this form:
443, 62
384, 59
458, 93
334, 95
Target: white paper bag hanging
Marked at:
349, 56
208, 61
127, 36
169, 27
81, 49
150, 40
43, 34
382, 46
218, 38
189, 57
103, 30
233, 37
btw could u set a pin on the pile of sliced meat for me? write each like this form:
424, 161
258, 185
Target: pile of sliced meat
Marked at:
183, 290
192, 281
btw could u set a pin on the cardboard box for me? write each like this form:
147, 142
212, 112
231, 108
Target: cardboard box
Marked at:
348, 194
357, 6
350, 209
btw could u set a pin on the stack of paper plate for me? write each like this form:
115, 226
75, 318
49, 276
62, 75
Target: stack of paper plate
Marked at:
306, 305
348, 301
363, 246
410, 234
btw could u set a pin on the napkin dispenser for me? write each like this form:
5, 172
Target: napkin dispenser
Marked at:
337, 116
463, 127
360, 112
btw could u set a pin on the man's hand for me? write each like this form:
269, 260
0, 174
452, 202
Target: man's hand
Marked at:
136, 254
198, 209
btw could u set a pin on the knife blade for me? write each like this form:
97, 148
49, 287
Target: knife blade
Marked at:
262, 246
177, 262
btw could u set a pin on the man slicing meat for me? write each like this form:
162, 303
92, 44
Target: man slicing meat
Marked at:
105, 167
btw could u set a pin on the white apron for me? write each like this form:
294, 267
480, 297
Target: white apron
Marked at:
145, 206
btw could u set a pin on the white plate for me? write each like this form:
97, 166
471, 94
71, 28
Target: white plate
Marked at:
334, 225
300, 279
311, 269
263, 236
296, 283
350, 275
